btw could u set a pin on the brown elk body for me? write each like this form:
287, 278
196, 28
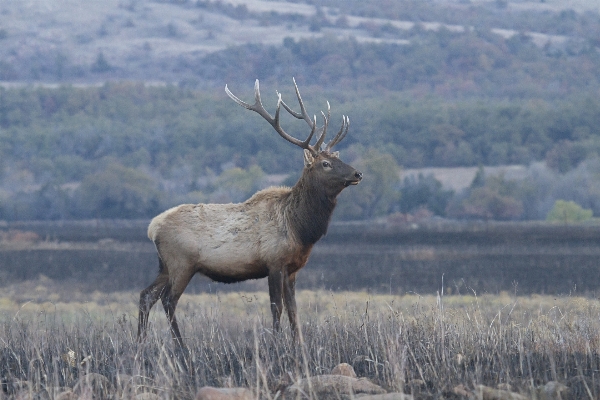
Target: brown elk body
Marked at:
269, 235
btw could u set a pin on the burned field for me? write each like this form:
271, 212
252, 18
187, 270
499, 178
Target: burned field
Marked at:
434, 311
466, 258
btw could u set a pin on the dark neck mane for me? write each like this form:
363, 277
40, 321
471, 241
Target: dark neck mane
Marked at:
309, 210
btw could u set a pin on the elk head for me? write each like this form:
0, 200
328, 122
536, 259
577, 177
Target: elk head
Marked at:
320, 163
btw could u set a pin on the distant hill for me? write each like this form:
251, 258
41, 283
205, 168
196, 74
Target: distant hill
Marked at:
168, 41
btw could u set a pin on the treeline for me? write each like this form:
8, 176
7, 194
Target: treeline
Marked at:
445, 63
169, 128
129, 151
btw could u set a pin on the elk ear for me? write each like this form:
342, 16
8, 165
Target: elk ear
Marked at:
335, 154
308, 158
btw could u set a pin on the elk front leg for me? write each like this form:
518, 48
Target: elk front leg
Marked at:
289, 297
276, 296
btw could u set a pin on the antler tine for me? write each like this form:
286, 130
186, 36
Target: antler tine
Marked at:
234, 98
340, 135
258, 108
302, 114
325, 124
313, 126
312, 132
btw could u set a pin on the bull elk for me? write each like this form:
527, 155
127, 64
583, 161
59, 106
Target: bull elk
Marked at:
269, 235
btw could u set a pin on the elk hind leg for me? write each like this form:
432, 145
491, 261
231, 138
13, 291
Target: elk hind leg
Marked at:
170, 297
148, 297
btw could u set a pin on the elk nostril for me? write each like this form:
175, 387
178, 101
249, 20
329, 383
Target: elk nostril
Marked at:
358, 175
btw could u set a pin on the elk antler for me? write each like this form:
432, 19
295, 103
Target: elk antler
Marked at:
340, 135
275, 123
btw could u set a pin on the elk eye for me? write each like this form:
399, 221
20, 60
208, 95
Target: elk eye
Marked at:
326, 164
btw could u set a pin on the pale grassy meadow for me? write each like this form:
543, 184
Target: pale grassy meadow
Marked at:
424, 345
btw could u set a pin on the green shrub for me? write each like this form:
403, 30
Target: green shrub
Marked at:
568, 212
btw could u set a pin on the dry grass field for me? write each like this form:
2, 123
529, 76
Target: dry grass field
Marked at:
424, 345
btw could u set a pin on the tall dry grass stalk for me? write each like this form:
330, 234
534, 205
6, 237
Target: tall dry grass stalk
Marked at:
425, 345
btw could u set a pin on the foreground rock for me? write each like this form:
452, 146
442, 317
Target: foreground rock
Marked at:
331, 386
344, 370
134, 387
552, 391
212, 393
388, 396
147, 396
93, 386
26, 394
65, 395
487, 393
461, 390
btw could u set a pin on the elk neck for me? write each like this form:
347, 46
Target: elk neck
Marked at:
309, 210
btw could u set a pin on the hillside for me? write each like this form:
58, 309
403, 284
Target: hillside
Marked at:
86, 42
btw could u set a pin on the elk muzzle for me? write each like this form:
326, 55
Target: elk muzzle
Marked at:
355, 179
